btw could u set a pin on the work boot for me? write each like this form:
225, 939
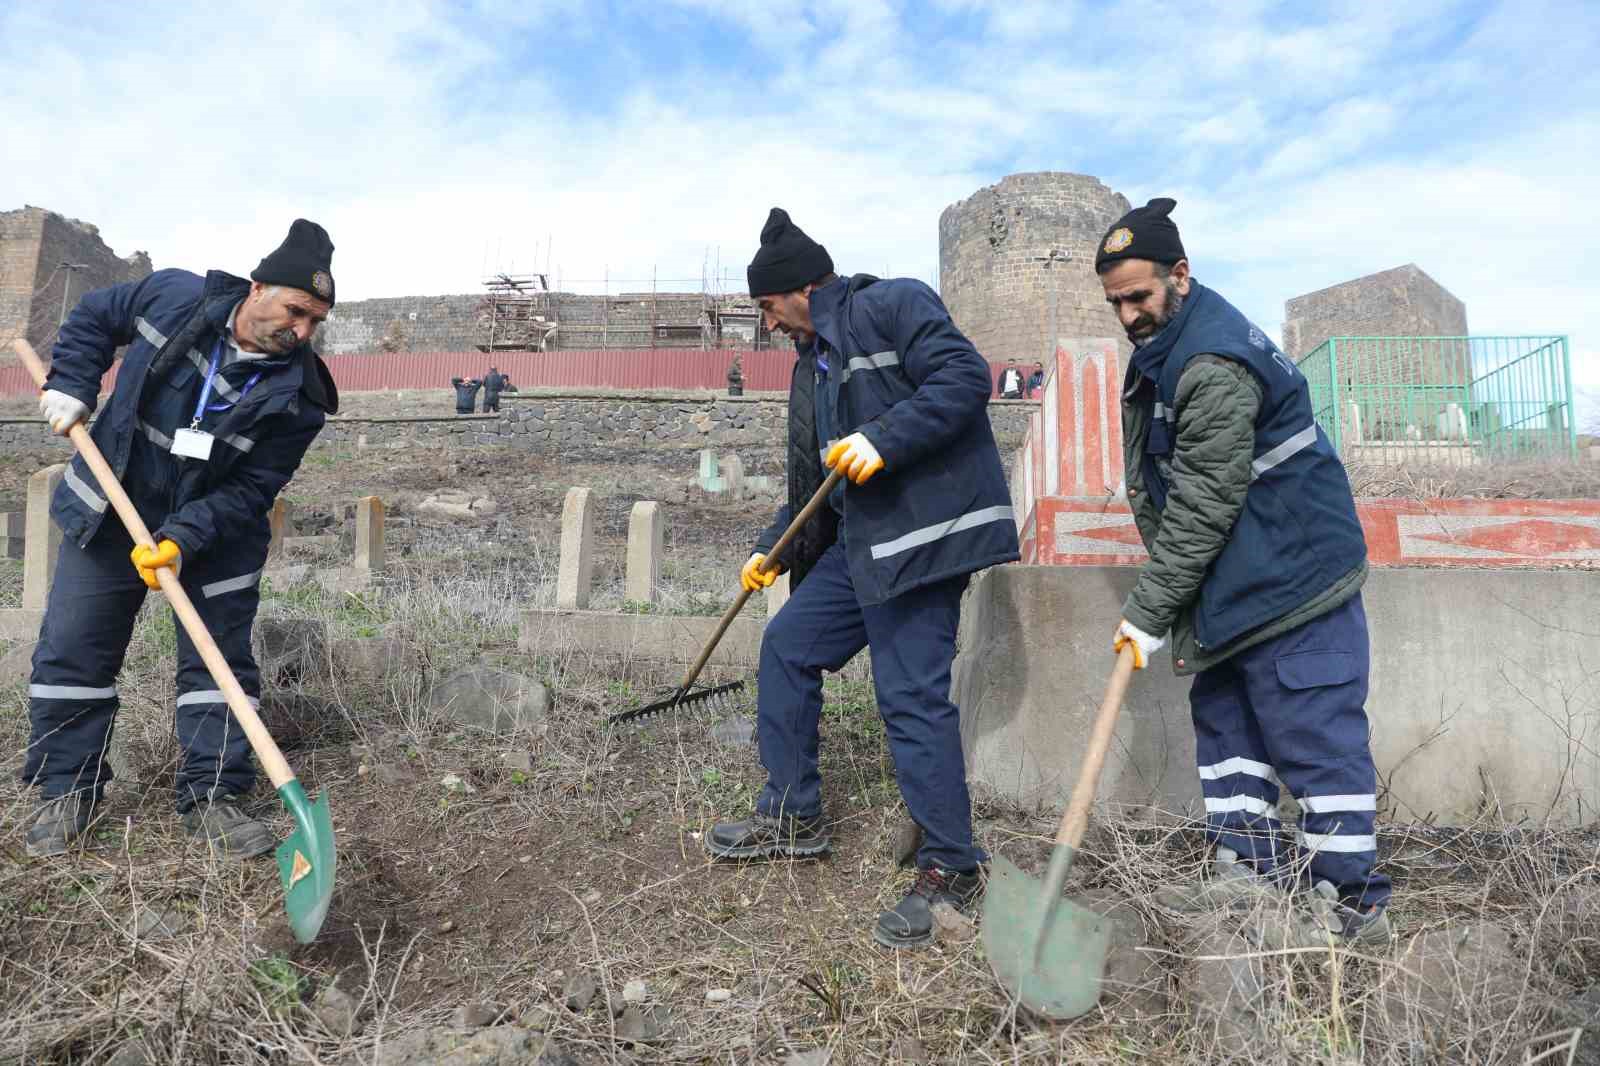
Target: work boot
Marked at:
910, 923
231, 833
1327, 921
59, 822
1226, 884
761, 836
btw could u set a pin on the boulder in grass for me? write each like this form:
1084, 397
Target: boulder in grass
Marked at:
499, 701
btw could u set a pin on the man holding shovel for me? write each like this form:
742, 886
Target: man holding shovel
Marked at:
887, 392
218, 396
1256, 566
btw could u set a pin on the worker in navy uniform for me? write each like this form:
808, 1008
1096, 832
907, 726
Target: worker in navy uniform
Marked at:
890, 394
1256, 565
218, 396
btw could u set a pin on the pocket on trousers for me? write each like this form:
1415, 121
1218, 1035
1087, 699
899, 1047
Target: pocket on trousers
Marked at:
1316, 669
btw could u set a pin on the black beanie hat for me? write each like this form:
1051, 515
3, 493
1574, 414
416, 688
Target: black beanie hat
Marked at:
303, 261
1143, 233
787, 260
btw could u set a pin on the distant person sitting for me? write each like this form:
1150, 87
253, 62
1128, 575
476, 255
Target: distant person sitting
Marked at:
494, 383
1035, 380
466, 394
507, 386
1010, 387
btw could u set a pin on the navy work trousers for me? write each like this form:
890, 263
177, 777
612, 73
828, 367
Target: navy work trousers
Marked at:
1292, 709
72, 697
913, 640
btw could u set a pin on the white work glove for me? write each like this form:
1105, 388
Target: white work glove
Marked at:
855, 458
61, 411
1144, 645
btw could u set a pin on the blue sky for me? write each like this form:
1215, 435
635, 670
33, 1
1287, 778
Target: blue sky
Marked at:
1306, 144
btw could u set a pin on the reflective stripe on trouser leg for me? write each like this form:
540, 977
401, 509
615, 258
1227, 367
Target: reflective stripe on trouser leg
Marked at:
913, 640
1236, 780
1309, 689
215, 751
72, 697
820, 628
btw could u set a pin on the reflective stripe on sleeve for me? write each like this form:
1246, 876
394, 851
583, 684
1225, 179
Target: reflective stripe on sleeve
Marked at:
94, 500
928, 534
1293, 446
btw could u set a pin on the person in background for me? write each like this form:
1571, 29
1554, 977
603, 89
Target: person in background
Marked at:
493, 384
466, 394
1035, 380
1009, 386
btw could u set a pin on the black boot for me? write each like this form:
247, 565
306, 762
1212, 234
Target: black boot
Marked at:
762, 836
59, 822
231, 833
910, 923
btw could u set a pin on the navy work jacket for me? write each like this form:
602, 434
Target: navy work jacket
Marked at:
170, 322
915, 386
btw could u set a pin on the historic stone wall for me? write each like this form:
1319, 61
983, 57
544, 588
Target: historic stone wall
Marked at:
34, 243
996, 271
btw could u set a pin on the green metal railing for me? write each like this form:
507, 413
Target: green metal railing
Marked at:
1456, 400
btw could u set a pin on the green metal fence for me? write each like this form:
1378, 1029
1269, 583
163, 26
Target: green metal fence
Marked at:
1456, 400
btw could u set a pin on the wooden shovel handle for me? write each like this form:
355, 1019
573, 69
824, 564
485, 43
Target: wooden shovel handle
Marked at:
769, 564
272, 760
1076, 819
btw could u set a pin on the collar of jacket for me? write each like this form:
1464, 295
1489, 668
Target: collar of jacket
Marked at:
222, 293
1149, 357
830, 309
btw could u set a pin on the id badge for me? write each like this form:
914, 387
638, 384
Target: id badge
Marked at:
192, 444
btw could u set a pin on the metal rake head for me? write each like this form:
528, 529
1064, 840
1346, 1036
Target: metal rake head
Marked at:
716, 697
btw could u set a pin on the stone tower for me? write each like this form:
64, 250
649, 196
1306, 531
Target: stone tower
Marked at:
1006, 248
36, 246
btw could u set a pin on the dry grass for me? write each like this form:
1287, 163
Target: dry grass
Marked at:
592, 863
1541, 480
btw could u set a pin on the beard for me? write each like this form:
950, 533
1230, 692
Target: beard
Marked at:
1147, 326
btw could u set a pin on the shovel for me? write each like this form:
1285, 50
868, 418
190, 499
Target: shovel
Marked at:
1050, 953
307, 859
681, 696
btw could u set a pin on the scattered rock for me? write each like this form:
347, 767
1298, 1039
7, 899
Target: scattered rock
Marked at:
503, 1045
951, 925
392, 775
718, 995
634, 991
454, 503
283, 577
1462, 972
735, 732
476, 1015
537, 1018
335, 1009
906, 842
457, 783
519, 761
497, 700
908, 1049
1134, 980
133, 1053
638, 1026
1225, 989
580, 991
445, 927
160, 923
372, 662
289, 651
17, 664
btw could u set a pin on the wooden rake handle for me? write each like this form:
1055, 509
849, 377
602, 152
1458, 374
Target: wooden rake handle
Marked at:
272, 760
769, 564
1076, 820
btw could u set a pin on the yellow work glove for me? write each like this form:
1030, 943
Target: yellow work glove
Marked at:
1144, 645
149, 560
855, 458
753, 578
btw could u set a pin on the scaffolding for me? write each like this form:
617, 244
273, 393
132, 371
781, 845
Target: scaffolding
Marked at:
517, 315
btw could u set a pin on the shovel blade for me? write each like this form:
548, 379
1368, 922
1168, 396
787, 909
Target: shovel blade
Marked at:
306, 861
1048, 952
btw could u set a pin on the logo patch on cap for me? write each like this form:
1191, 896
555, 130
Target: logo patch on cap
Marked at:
1118, 239
321, 284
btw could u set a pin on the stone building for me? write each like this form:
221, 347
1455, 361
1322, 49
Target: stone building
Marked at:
1009, 249
47, 263
1403, 302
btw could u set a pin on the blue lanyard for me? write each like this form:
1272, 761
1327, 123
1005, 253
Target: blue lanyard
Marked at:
205, 390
